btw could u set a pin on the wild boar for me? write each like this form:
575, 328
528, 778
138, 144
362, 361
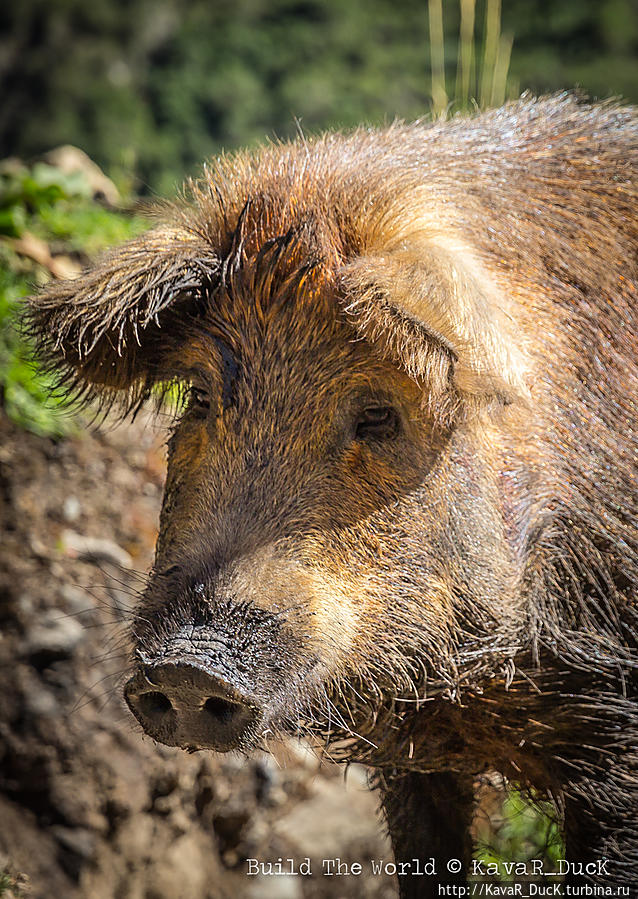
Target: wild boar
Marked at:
400, 510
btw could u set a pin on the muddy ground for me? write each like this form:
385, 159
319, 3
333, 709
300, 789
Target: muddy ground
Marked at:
89, 807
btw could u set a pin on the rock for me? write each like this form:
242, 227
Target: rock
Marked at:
71, 509
37, 249
76, 839
42, 703
282, 886
70, 159
54, 634
305, 825
95, 549
76, 600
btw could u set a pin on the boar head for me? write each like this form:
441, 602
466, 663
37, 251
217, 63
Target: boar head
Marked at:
353, 482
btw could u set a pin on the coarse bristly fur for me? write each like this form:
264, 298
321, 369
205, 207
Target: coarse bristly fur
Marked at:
446, 584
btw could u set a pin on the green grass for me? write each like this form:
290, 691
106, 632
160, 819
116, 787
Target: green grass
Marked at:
483, 60
57, 209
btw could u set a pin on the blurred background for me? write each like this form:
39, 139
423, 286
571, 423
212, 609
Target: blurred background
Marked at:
105, 105
149, 88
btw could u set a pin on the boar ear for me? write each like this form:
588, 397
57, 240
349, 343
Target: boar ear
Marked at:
441, 315
99, 333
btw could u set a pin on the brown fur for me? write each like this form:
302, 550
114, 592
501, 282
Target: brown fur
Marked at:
461, 594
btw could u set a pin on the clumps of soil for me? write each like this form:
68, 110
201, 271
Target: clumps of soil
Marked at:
89, 806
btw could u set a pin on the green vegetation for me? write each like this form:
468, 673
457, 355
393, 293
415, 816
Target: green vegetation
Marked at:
42, 209
149, 88
482, 65
527, 831
13, 885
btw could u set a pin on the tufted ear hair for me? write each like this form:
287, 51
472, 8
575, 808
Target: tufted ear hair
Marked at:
98, 334
433, 307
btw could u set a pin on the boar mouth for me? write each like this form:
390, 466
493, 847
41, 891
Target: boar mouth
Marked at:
184, 702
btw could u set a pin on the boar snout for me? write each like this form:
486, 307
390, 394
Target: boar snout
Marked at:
184, 704
210, 668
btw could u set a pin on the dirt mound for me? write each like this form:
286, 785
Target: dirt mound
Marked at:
89, 807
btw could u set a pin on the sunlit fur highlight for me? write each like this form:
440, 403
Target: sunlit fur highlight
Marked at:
485, 270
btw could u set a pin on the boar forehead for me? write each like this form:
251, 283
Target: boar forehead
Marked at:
271, 338
276, 457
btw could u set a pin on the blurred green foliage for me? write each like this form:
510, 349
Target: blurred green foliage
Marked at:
528, 831
13, 885
40, 202
152, 87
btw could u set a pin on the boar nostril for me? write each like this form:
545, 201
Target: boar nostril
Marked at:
154, 704
222, 710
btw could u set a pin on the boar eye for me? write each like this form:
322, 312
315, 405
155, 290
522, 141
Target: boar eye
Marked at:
199, 401
377, 422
